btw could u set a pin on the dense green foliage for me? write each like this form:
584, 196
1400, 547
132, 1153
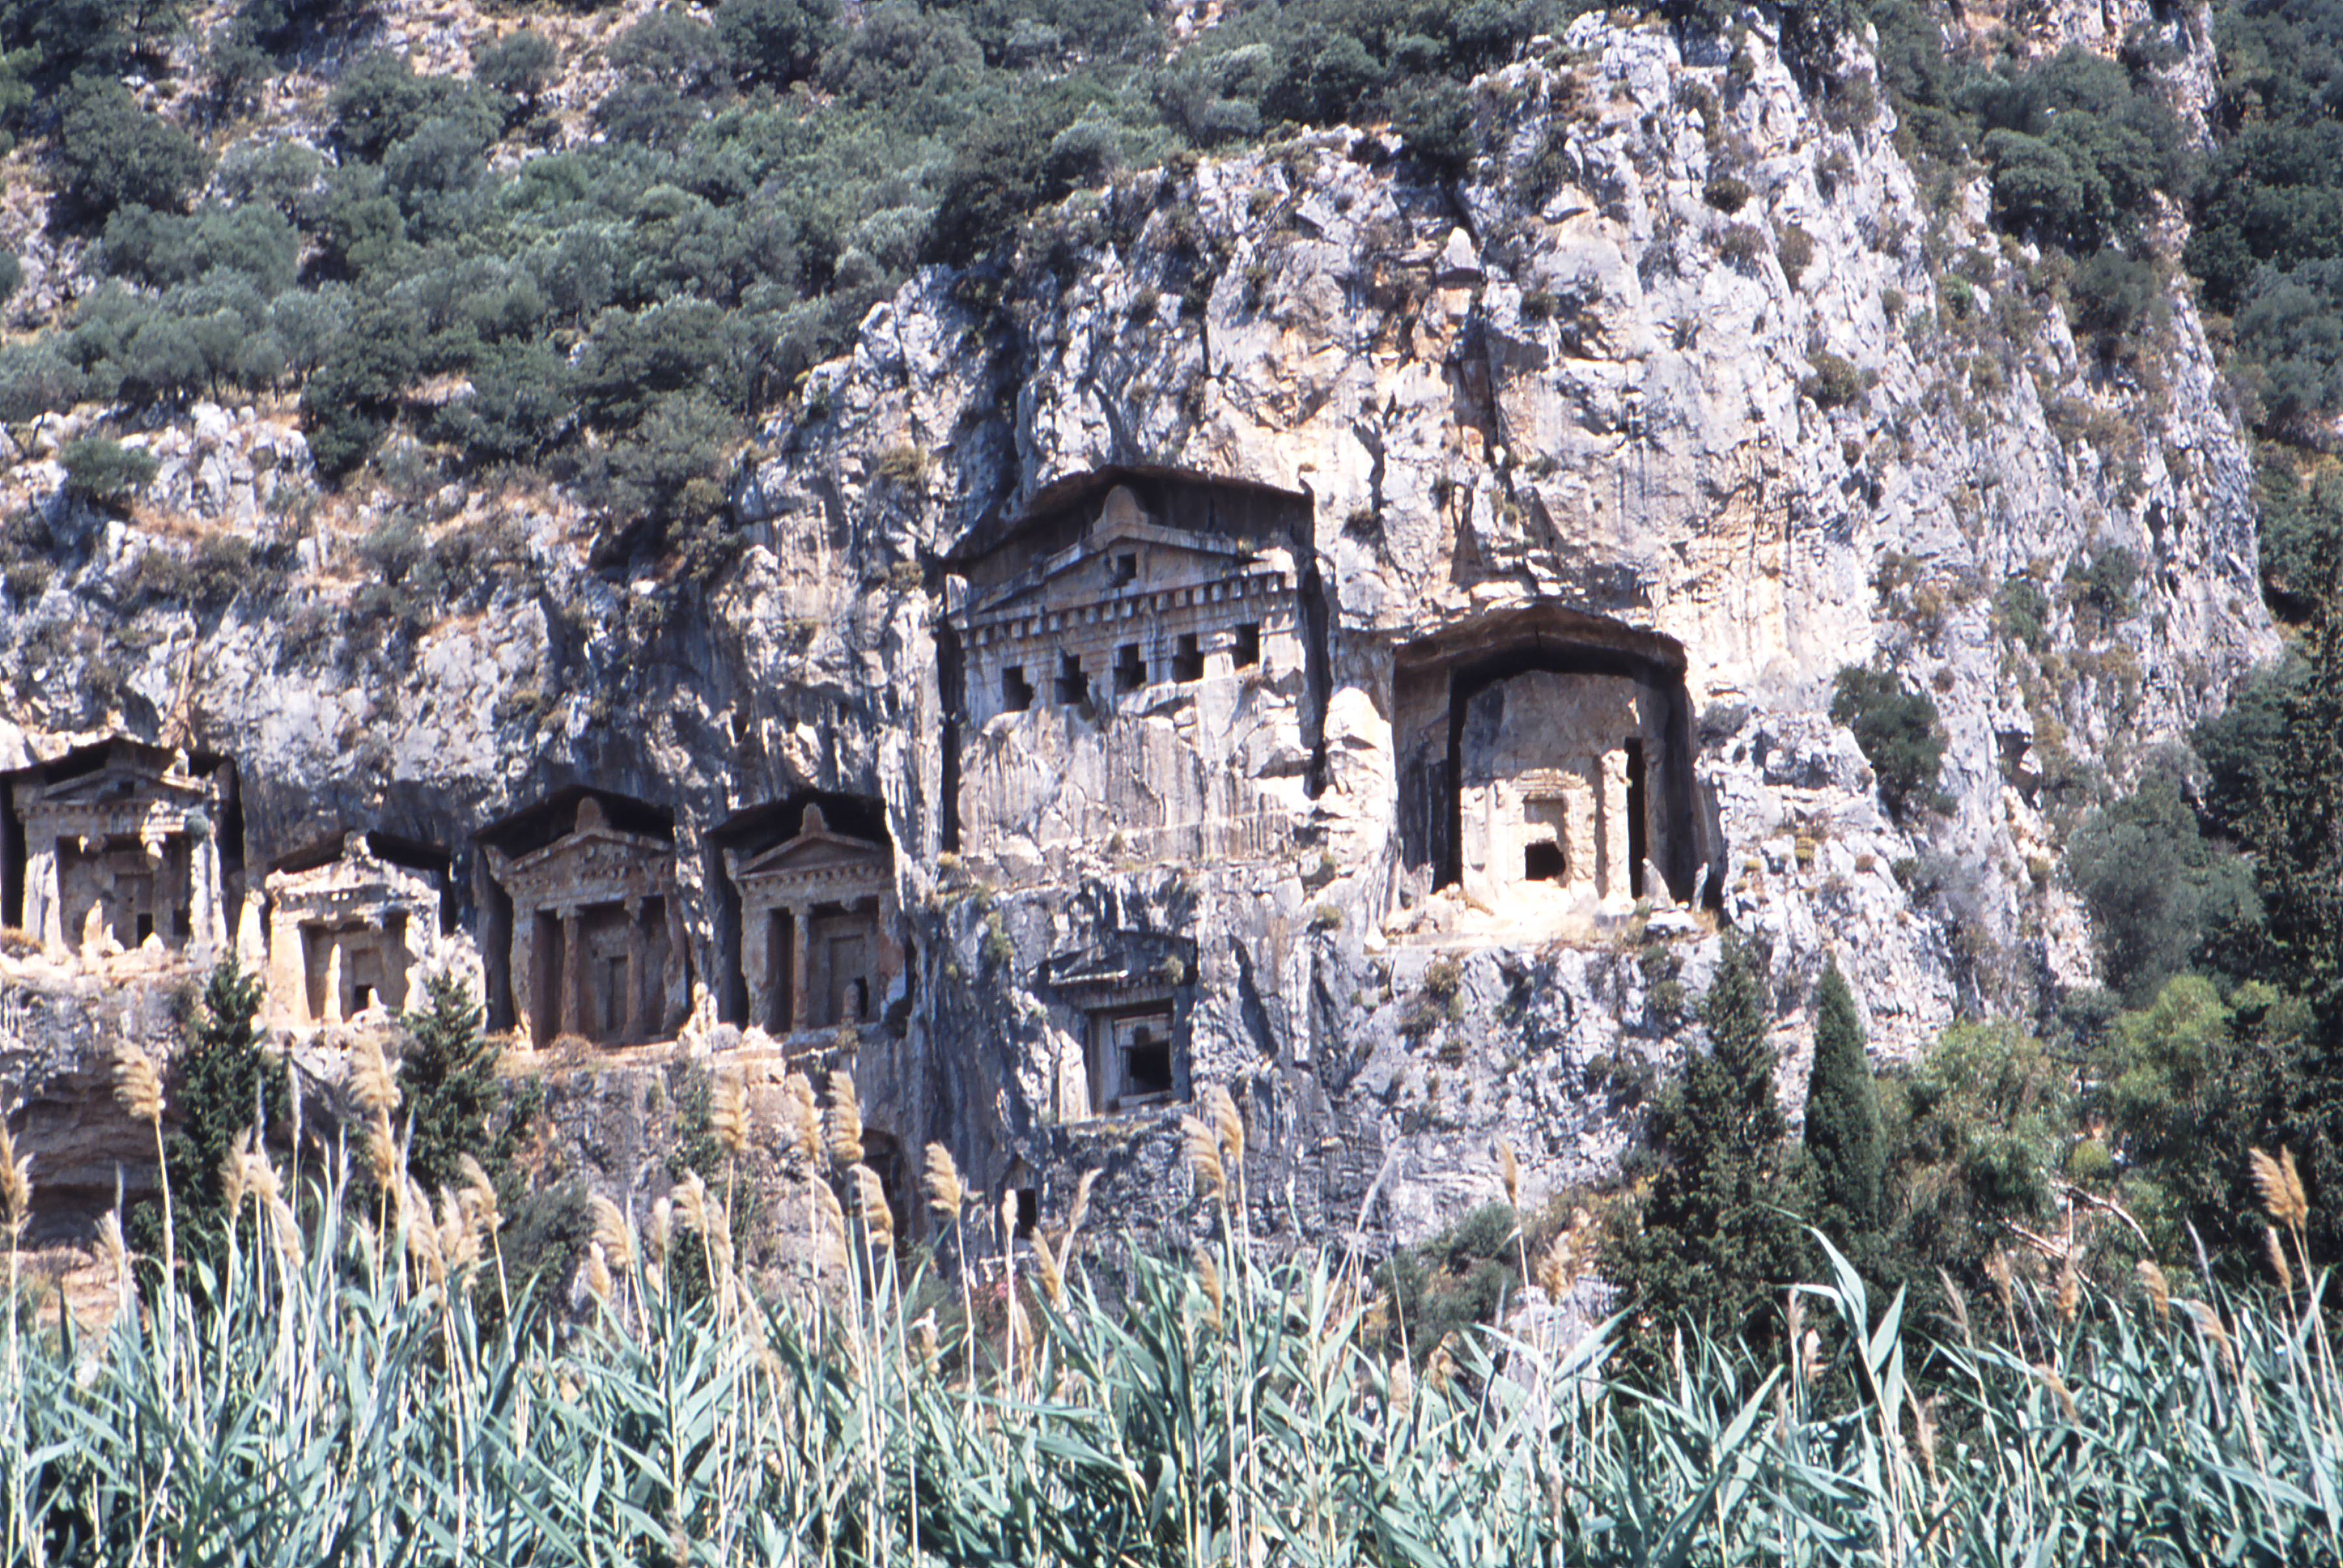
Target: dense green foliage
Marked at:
449, 1089
620, 315
1713, 1240
2156, 887
2268, 243
1842, 1139
1901, 734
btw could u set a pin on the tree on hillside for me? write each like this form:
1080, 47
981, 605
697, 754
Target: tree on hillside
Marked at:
1843, 1138
1715, 1241
448, 1086
228, 1086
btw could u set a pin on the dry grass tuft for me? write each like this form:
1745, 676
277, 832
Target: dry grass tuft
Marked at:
2159, 1289
728, 1114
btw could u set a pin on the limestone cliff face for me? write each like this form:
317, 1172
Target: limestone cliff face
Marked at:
1685, 381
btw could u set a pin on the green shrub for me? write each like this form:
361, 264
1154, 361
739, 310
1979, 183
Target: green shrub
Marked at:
2113, 294
1728, 193
519, 65
2022, 610
2157, 889
1833, 382
1901, 736
1794, 247
112, 154
101, 470
775, 41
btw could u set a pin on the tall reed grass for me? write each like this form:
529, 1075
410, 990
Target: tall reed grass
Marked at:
329, 1395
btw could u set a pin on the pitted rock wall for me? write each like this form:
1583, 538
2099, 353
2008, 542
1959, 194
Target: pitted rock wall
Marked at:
1599, 375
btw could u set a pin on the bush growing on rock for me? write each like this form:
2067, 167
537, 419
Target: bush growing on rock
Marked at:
1901, 735
1833, 381
103, 471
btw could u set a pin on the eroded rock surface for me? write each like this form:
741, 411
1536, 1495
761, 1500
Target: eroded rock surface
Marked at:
1687, 391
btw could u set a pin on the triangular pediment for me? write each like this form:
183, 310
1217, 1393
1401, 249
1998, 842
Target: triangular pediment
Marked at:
1168, 558
597, 845
120, 782
815, 851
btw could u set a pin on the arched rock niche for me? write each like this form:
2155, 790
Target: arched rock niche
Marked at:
1545, 767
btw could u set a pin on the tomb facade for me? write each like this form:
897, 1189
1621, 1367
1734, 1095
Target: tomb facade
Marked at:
1545, 770
818, 948
1123, 1002
122, 851
1140, 660
344, 936
597, 946
1555, 801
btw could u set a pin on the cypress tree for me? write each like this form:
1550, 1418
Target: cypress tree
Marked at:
447, 1083
1714, 1242
226, 1085
1843, 1136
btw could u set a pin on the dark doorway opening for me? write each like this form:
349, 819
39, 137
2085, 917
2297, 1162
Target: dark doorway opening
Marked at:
1542, 864
1638, 822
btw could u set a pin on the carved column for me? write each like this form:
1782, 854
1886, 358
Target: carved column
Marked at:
1582, 817
801, 966
1614, 825
289, 972
577, 1003
756, 962
642, 1012
44, 904
520, 979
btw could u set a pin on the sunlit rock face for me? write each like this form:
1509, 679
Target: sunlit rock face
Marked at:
1346, 636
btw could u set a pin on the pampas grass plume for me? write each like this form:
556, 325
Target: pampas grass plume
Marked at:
2159, 1289
136, 1085
15, 1186
845, 1130
946, 1192
728, 1114
1204, 1157
1228, 1126
611, 1232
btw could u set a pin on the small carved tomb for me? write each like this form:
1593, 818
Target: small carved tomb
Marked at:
344, 936
598, 940
1127, 999
816, 937
121, 852
1555, 803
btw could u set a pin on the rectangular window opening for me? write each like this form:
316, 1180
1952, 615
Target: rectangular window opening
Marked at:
1016, 691
1073, 686
1187, 662
1126, 569
1541, 862
1248, 645
1129, 668
1147, 1059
